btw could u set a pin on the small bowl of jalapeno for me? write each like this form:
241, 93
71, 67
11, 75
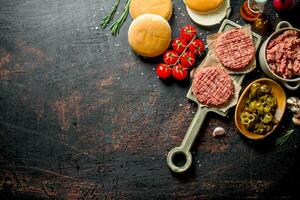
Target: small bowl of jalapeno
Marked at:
260, 108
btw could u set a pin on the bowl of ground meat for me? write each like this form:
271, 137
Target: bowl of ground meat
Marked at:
279, 55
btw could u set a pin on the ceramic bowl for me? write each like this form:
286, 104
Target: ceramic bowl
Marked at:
277, 91
291, 84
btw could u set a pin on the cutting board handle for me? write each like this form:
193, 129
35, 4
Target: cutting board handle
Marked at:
184, 149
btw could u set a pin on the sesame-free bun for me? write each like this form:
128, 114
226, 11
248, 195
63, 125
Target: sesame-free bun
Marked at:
149, 35
204, 6
163, 8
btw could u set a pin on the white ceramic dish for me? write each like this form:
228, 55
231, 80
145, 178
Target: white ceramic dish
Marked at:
211, 19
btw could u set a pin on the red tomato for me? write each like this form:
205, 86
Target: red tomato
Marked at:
179, 72
187, 59
188, 32
163, 71
179, 45
171, 57
197, 46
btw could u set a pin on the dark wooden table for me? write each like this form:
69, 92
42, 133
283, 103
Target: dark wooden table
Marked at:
82, 117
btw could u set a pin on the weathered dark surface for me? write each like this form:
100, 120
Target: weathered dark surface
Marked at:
82, 117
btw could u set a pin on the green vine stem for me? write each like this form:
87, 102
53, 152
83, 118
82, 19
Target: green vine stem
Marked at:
184, 50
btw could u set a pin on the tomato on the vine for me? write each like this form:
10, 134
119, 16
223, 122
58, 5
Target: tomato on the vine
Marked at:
179, 72
179, 45
197, 46
170, 57
187, 59
188, 32
163, 71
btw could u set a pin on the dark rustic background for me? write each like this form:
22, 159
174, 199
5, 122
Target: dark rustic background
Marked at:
82, 117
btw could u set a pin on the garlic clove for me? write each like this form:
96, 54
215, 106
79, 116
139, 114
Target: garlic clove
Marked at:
293, 101
218, 131
295, 109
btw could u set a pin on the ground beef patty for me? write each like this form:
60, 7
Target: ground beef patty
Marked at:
234, 49
212, 86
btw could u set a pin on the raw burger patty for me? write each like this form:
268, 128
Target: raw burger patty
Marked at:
212, 86
234, 49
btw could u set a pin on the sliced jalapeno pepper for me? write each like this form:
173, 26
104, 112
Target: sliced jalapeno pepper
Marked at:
254, 88
260, 106
247, 119
267, 108
252, 105
267, 118
264, 89
260, 128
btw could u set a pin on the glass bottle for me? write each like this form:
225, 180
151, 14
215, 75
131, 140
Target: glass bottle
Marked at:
252, 9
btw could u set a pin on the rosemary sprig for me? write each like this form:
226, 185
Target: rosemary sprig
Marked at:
115, 27
282, 139
105, 20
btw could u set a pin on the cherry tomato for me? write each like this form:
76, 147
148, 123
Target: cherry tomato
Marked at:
179, 45
179, 72
197, 46
163, 71
188, 32
170, 57
187, 59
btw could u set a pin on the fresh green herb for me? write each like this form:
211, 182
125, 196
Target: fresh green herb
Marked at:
285, 137
115, 27
105, 20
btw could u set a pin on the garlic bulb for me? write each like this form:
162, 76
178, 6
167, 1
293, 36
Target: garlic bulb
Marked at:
293, 101
294, 105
